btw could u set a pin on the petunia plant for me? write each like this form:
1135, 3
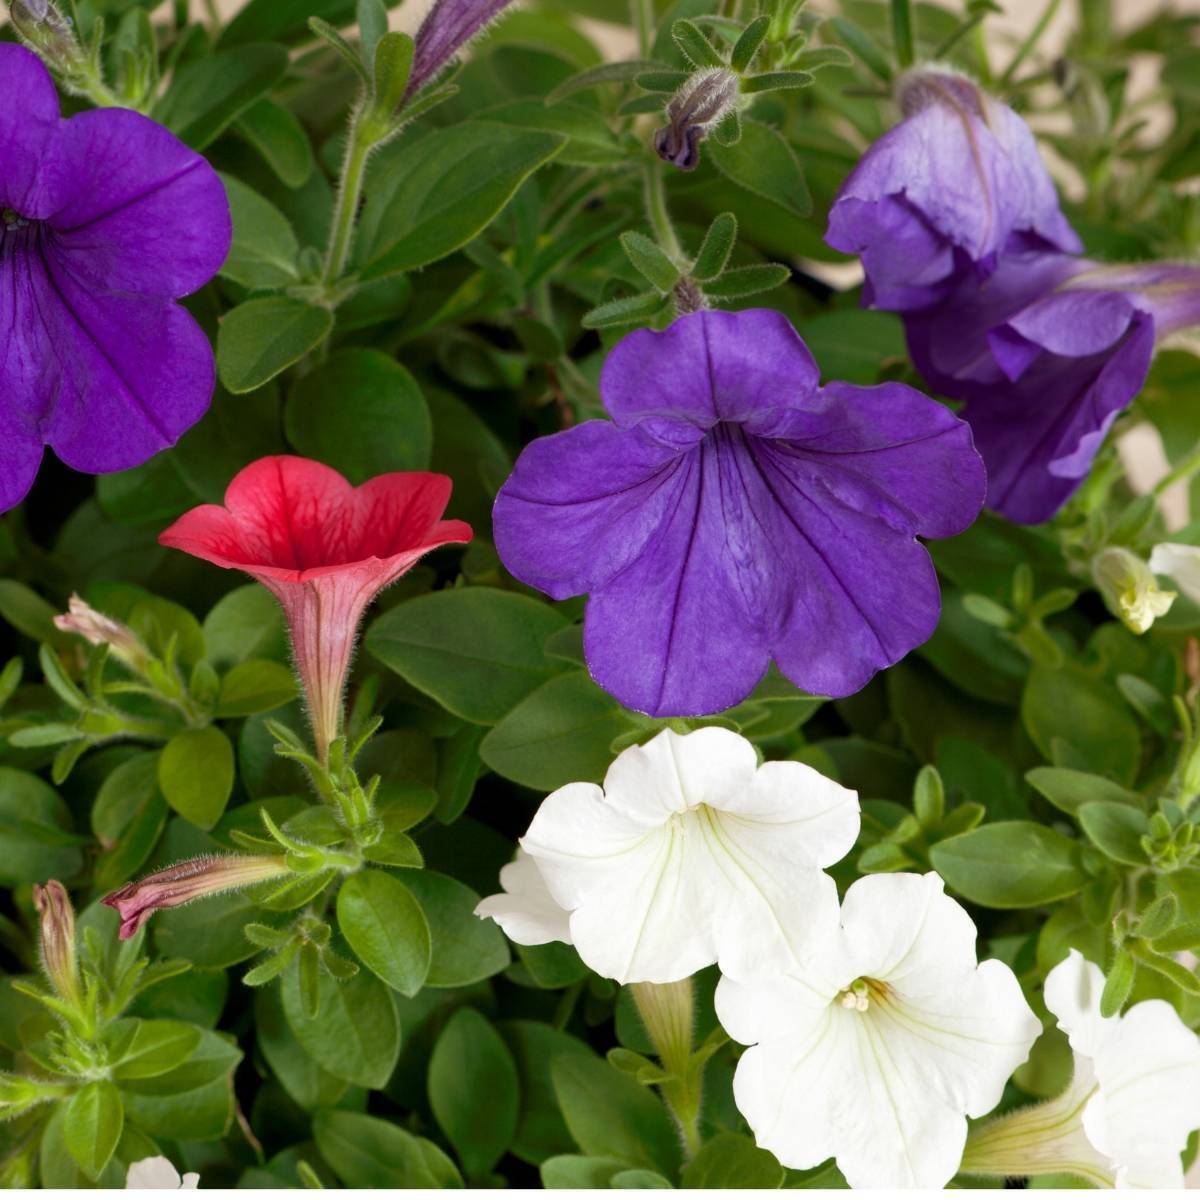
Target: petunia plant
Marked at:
599, 595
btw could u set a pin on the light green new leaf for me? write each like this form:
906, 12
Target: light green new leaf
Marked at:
260, 338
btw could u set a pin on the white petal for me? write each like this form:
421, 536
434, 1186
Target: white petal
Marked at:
191, 1181
577, 838
1149, 1097
526, 910
1181, 563
1072, 993
673, 772
782, 1006
153, 1173
903, 929
836, 1090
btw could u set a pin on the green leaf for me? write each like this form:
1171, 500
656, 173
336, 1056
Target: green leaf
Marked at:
590, 140
280, 138
150, 1048
453, 184
259, 685
609, 72
577, 1172
477, 651
367, 1152
392, 56
746, 47
465, 948
1117, 829
1069, 790
308, 1083
361, 413
245, 623
264, 249
929, 797
611, 1116
1085, 713
29, 614
777, 81
282, 20
748, 281
127, 818
195, 773
863, 46
717, 247
626, 310
561, 733
1010, 864
650, 260
473, 1091
764, 163
1158, 917
92, 1125
730, 1160
356, 1034
36, 843
694, 46
260, 338
209, 93
541, 1131
459, 766
386, 928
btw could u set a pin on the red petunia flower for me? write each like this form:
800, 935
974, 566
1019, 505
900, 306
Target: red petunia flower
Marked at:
325, 549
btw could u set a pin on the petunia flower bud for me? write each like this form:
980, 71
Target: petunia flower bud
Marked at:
668, 1013
44, 29
58, 939
188, 881
694, 110
101, 630
448, 27
1129, 588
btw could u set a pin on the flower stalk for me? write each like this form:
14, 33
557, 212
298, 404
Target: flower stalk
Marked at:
668, 1013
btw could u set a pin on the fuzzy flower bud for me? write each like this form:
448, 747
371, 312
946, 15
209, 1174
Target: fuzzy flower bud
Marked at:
1129, 588
45, 30
188, 881
95, 627
58, 939
450, 25
699, 105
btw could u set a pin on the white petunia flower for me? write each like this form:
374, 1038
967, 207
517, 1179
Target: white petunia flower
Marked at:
1133, 1101
691, 854
1129, 588
1181, 563
878, 1048
159, 1173
525, 910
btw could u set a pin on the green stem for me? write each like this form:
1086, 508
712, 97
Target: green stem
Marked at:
957, 36
210, 7
667, 1011
1184, 469
364, 137
645, 24
902, 32
658, 216
1035, 36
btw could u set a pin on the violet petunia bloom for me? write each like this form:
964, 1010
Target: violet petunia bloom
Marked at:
106, 218
734, 511
953, 187
1047, 353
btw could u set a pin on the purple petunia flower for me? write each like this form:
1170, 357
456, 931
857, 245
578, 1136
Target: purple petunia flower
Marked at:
105, 219
1047, 353
957, 184
733, 511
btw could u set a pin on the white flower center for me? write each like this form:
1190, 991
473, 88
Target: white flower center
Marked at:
858, 996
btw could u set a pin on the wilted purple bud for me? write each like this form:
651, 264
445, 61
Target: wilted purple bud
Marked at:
1047, 353
188, 881
57, 939
448, 27
958, 183
100, 630
694, 110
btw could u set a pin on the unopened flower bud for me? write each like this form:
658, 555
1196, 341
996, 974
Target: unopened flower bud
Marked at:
699, 105
45, 30
58, 939
188, 881
1129, 588
450, 25
95, 627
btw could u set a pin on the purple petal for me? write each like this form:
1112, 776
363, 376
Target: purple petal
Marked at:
707, 367
29, 121
448, 27
1075, 323
106, 381
1038, 436
683, 630
580, 506
139, 211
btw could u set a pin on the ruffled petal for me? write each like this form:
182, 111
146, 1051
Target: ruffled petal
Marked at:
581, 505
29, 122
1072, 993
106, 381
525, 910
1181, 563
707, 367
138, 210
